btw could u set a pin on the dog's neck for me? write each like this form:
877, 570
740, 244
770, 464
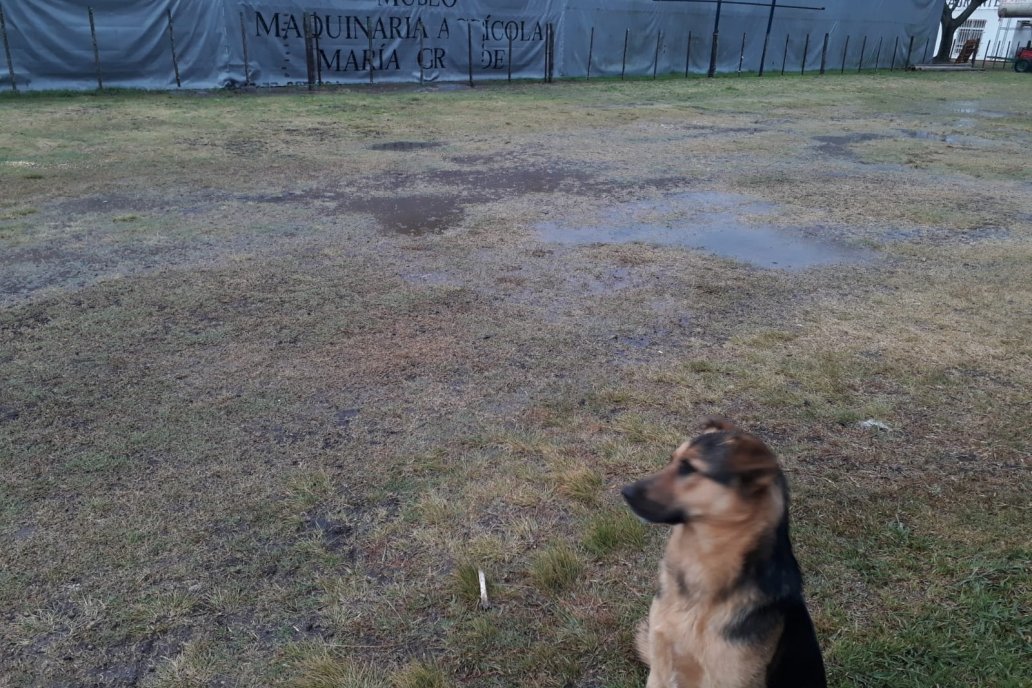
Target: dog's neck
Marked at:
703, 558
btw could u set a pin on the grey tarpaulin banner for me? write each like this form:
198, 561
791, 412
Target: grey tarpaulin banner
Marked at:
218, 43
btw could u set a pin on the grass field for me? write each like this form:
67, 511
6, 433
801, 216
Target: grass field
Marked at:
280, 373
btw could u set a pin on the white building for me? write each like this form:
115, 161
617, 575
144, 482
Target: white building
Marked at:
998, 37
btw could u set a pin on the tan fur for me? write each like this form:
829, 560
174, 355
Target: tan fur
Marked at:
682, 640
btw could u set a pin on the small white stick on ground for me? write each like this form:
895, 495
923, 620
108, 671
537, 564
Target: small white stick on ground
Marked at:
483, 589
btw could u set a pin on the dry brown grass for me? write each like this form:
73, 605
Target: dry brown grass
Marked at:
249, 436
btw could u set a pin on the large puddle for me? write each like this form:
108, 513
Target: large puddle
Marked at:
725, 224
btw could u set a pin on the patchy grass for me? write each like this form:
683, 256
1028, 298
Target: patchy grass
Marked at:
420, 675
251, 436
325, 667
580, 483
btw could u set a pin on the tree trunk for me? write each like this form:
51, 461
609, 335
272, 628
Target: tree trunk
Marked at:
945, 52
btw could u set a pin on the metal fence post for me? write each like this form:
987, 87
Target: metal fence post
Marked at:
863, 47
784, 58
655, 60
877, 57
715, 44
318, 55
7, 49
623, 64
741, 56
96, 50
306, 21
172, 45
845, 53
688, 55
544, 77
824, 55
895, 50
910, 52
369, 23
591, 48
806, 50
551, 53
508, 71
243, 39
469, 51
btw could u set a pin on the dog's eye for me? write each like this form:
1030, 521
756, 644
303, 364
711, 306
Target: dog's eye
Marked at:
685, 468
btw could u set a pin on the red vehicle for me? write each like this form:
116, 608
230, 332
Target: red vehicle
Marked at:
1023, 60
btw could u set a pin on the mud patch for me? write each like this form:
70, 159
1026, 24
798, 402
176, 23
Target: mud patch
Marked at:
948, 139
728, 225
402, 146
435, 278
474, 159
412, 215
434, 213
111, 203
8, 414
839, 146
518, 180
335, 535
343, 418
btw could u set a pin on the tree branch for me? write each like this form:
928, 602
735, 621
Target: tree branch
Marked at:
963, 16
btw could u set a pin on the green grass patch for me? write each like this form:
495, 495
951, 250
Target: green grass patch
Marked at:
556, 568
614, 530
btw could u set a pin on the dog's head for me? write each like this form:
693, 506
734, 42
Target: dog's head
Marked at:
718, 477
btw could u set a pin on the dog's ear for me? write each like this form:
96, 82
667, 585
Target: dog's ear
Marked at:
751, 453
716, 424
754, 463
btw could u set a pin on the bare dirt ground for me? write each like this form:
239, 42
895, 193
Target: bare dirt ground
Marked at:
279, 374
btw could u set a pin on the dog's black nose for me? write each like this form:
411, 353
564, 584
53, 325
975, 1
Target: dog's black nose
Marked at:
629, 491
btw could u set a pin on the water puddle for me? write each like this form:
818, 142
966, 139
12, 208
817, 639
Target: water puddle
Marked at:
929, 136
974, 107
725, 224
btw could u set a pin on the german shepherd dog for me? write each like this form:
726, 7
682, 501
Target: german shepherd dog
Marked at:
729, 612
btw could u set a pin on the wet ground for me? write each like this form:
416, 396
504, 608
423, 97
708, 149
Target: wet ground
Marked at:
273, 370
607, 205
726, 225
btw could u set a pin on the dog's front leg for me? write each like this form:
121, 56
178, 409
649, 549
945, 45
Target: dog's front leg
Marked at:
667, 667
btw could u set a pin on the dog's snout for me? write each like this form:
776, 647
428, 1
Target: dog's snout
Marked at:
631, 491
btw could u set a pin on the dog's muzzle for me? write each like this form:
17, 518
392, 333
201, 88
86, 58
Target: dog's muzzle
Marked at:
636, 495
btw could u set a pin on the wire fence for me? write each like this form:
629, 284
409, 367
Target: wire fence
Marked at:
307, 53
